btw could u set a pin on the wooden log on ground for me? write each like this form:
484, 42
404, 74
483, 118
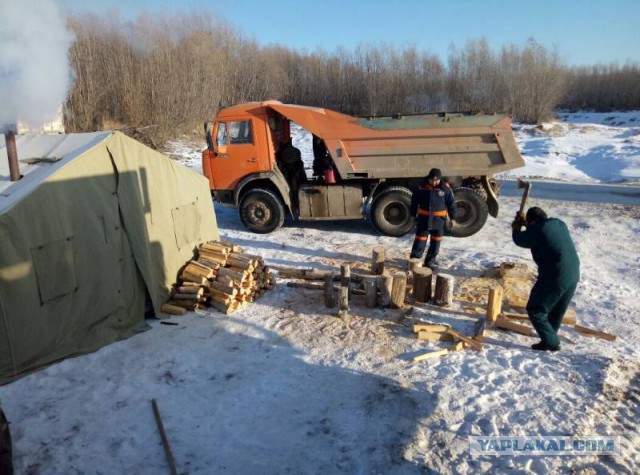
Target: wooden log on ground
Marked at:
306, 285
586, 331
370, 284
422, 278
377, 260
386, 284
398, 290
434, 336
507, 324
570, 321
458, 346
443, 294
172, 309
188, 304
431, 354
494, 303
330, 298
194, 297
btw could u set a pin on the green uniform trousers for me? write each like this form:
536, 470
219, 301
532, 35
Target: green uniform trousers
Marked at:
546, 306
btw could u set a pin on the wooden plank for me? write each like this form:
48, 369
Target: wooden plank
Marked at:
586, 331
506, 324
433, 336
431, 354
476, 345
494, 303
430, 327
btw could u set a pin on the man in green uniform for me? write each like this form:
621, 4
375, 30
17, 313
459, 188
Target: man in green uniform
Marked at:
558, 272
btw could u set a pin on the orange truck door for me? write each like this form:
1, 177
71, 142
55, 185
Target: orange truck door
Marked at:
234, 154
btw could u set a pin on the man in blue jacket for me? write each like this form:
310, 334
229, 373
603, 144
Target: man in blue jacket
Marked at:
558, 272
431, 203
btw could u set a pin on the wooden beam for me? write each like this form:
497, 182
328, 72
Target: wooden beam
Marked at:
494, 303
586, 331
506, 324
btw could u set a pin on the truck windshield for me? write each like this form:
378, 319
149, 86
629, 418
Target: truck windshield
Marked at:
234, 133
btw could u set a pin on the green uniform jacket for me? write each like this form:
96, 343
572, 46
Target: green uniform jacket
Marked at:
552, 250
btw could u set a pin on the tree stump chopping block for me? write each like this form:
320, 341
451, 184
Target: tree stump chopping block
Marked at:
422, 279
377, 260
443, 295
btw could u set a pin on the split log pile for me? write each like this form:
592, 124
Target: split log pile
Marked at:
221, 276
438, 332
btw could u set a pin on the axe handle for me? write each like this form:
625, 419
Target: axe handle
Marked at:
525, 196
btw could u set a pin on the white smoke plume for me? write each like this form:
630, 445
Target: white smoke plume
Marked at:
34, 63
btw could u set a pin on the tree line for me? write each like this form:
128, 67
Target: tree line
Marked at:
174, 73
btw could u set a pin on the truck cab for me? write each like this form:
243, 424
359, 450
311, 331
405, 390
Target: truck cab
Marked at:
376, 163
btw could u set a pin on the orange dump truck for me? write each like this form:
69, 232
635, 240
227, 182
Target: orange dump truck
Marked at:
372, 164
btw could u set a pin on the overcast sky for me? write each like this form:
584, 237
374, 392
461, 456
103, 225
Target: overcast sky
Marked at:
586, 32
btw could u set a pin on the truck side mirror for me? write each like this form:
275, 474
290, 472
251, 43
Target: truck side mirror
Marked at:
207, 135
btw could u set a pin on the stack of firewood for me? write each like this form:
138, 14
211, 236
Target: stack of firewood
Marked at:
221, 276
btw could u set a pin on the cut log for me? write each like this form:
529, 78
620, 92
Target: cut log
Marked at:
330, 299
189, 277
190, 289
200, 270
422, 278
225, 289
370, 284
386, 284
188, 304
305, 285
194, 297
238, 276
429, 327
467, 340
507, 324
398, 289
431, 354
172, 309
494, 303
377, 260
586, 331
433, 336
443, 295
222, 308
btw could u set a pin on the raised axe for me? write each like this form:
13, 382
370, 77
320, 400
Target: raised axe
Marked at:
526, 185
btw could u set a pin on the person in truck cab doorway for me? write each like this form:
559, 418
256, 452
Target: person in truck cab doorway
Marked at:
431, 203
558, 272
289, 161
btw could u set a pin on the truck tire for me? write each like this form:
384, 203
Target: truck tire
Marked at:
261, 211
391, 212
471, 213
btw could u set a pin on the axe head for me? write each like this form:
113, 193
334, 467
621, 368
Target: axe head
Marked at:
522, 184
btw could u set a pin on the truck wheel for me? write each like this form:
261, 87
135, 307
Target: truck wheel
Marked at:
391, 212
471, 213
261, 211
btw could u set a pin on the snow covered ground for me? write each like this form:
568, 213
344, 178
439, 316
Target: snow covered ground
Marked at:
283, 386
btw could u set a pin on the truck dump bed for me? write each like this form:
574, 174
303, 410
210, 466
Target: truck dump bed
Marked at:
461, 144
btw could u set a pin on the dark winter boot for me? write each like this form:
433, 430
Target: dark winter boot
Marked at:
544, 347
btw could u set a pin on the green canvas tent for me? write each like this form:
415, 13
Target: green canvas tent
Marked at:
96, 221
